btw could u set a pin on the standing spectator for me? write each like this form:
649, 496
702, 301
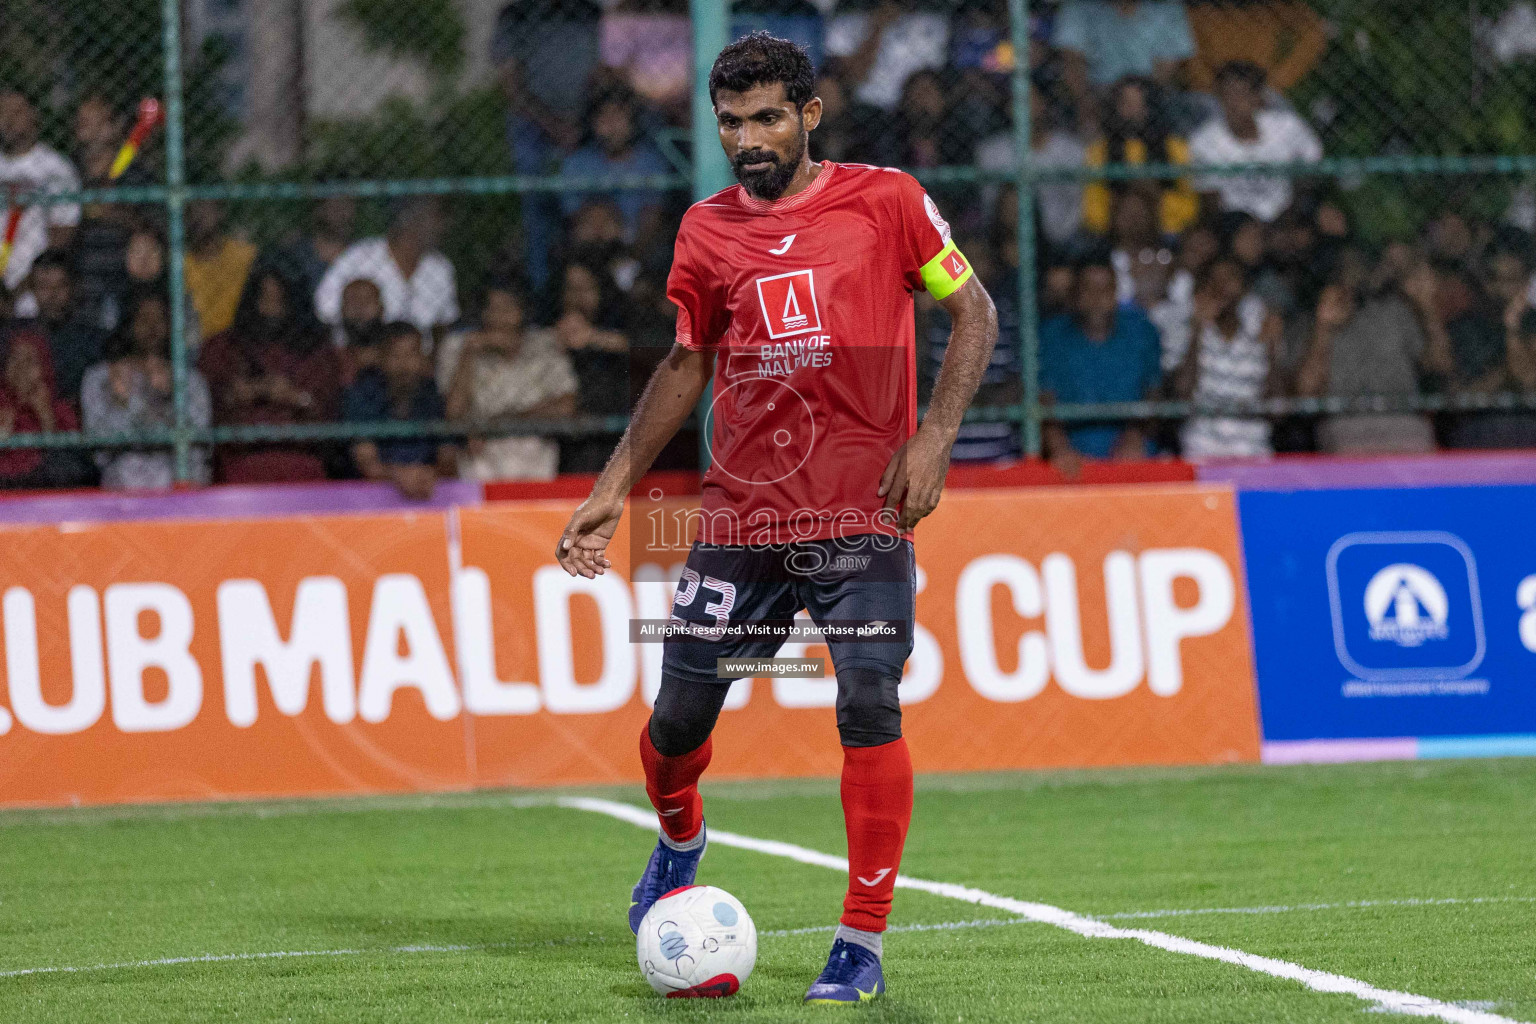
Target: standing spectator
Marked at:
1060, 203
651, 46
415, 280
881, 48
1286, 38
28, 165
589, 329
1245, 133
1103, 41
73, 341
272, 367
504, 372
307, 258
1374, 347
131, 390
217, 264
1136, 132
101, 240
399, 390
1494, 345
360, 329
29, 405
1235, 346
1101, 352
616, 147
545, 101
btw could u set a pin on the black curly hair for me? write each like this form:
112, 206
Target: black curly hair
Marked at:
762, 59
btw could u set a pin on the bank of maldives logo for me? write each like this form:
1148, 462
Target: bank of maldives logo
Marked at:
788, 302
1405, 606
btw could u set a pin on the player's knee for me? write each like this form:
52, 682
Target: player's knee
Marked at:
684, 714
868, 711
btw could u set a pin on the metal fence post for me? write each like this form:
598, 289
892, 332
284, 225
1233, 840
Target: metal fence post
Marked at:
711, 32
175, 202
1028, 317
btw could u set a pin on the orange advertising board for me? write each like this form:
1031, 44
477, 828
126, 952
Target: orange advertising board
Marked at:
353, 654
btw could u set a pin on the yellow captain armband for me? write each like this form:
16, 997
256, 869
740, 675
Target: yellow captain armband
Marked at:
945, 273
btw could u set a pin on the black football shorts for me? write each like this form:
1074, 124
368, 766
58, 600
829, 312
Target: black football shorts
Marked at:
840, 584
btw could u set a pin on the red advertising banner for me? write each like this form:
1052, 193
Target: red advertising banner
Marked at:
428, 651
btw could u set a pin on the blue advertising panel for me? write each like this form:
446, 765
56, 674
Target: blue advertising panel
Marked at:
1393, 613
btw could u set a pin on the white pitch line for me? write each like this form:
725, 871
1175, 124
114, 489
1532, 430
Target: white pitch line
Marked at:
1318, 981
569, 940
1450, 901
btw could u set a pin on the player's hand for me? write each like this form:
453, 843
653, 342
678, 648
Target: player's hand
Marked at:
586, 537
914, 478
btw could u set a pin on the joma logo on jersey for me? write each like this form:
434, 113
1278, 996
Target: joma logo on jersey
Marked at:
789, 305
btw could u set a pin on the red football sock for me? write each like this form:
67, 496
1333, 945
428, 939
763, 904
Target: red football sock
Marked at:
877, 807
672, 785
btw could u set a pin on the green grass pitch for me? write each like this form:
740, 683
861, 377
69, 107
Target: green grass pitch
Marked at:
476, 907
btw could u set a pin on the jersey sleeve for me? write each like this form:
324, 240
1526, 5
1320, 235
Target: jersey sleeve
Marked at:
929, 257
702, 315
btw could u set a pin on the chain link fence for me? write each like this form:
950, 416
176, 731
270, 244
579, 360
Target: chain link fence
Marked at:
1213, 227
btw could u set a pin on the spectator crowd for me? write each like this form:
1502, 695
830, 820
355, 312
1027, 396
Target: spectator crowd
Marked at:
1220, 288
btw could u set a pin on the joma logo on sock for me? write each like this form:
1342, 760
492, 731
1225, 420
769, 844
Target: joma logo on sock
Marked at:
879, 877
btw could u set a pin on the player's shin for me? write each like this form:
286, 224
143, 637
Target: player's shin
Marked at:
877, 808
672, 785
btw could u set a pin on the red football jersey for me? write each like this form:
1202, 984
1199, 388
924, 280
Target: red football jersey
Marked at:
807, 303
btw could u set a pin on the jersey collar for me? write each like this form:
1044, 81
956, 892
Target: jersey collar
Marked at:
795, 201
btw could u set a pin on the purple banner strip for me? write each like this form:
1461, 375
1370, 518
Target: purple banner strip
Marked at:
231, 502
1338, 751
1310, 473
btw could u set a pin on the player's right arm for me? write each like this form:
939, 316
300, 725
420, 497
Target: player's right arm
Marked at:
672, 393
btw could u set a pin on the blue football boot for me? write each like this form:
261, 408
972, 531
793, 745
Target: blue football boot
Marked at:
668, 869
852, 976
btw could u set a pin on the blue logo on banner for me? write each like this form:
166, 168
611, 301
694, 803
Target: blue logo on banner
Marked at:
1405, 606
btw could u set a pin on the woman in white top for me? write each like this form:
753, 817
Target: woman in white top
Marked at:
1234, 348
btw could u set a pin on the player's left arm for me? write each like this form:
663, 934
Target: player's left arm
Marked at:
914, 478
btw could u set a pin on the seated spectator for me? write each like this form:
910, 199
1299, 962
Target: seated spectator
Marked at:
617, 147
1374, 346
271, 367
545, 100
1103, 41
880, 49
589, 328
650, 44
415, 280
1136, 132
307, 257
840, 136
360, 329
1494, 346
503, 372
596, 238
1100, 352
1286, 38
217, 264
927, 134
28, 405
131, 390
399, 390
1246, 133
1236, 344
1172, 314
1142, 258
101, 241
73, 341
30, 165
144, 264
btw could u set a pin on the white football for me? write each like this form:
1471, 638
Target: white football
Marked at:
697, 942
